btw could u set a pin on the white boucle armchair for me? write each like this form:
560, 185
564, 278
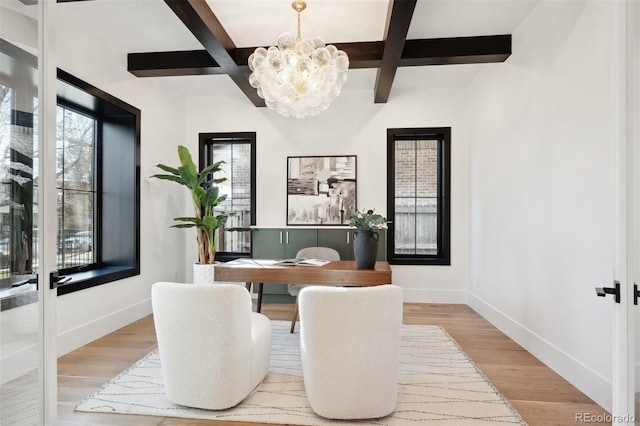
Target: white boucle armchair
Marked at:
350, 343
213, 349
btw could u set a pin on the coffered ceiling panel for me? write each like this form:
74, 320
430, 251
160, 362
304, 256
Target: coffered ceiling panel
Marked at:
462, 18
152, 27
252, 23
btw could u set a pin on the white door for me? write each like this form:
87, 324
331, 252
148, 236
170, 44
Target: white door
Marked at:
631, 387
27, 247
626, 84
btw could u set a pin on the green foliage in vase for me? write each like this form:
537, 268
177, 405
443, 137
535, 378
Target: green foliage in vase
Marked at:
367, 220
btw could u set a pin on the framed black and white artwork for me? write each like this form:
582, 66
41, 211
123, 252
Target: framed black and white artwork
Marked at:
321, 190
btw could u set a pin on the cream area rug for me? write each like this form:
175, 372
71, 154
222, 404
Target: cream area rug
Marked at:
439, 385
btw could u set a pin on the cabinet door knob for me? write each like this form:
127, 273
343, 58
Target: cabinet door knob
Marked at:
280, 237
287, 237
348, 237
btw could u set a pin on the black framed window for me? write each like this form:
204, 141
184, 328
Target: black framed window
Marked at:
97, 177
19, 159
419, 196
98, 180
238, 151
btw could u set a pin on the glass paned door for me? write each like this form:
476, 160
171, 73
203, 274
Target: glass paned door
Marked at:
19, 234
27, 98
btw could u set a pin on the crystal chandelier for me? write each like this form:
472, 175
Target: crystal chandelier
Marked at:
298, 77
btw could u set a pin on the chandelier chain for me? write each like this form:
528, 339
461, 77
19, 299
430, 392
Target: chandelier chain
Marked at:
299, 27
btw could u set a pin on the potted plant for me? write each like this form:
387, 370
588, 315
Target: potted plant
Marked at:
365, 239
205, 195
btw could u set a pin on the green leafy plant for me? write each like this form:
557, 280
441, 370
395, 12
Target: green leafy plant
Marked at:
367, 220
205, 195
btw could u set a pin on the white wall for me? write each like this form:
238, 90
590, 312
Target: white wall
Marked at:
540, 131
353, 125
88, 314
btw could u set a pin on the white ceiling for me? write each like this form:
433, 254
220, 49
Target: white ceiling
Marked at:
260, 22
150, 26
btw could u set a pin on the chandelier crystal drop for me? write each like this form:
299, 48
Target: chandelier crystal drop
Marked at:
298, 77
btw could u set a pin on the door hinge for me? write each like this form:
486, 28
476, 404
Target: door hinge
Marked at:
603, 291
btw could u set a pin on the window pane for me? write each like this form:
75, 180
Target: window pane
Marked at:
405, 226
237, 242
18, 235
76, 216
426, 226
79, 136
59, 147
237, 167
75, 144
241, 171
405, 168
427, 170
416, 175
6, 94
222, 152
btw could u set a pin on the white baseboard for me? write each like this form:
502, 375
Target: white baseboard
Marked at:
419, 295
88, 332
18, 360
582, 377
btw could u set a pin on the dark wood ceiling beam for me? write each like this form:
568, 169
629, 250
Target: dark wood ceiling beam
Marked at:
205, 26
439, 51
162, 64
396, 29
456, 50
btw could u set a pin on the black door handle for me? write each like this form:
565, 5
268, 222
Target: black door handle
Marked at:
603, 291
636, 294
55, 279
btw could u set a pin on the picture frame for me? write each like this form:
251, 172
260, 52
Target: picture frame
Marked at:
321, 190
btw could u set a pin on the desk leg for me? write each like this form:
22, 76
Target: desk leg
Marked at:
259, 307
249, 287
295, 317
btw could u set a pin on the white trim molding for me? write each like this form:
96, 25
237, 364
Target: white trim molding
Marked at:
588, 381
421, 295
90, 331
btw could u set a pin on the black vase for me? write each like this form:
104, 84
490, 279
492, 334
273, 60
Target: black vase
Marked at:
365, 248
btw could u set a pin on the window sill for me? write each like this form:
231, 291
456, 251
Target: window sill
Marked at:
419, 261
19, 296
94, 277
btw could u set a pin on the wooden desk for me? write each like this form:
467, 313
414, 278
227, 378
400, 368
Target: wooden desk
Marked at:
337, 273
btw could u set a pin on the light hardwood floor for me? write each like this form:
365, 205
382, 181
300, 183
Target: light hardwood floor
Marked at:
541, 396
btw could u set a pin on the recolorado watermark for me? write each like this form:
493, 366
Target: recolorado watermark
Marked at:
603, 418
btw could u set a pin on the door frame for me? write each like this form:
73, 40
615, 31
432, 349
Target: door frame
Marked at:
47, 213
625, 79
633, 207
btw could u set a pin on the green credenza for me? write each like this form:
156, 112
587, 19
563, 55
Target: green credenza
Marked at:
284, 243
281, 244
339, 239
342, 241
